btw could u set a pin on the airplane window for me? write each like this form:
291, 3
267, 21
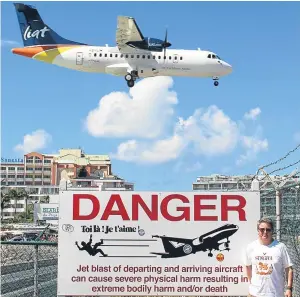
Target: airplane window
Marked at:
105, 55
213, 56
170, 57
132, 56
153, 57
116, 55
219, 58
122, 56
110, 55
100, 55
180, 58
138, 56
95, 55
209, 56
148, 56
158, 57
175, 57
143, 56
126, 56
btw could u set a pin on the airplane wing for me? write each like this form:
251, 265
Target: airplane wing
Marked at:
127, 30
178, 240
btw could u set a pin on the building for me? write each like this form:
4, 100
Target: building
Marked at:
217, 182
40, 175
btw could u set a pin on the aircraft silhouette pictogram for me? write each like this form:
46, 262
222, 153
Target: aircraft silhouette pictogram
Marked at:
206, 242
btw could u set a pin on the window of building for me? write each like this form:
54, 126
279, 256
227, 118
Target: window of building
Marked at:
20, 168
11, 176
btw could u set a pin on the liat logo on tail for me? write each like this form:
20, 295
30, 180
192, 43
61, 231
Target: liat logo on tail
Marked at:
37, 33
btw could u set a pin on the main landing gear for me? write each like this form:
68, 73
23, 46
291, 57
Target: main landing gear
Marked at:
130, 78
215, 79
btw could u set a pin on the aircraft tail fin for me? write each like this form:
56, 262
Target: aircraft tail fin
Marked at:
33, 29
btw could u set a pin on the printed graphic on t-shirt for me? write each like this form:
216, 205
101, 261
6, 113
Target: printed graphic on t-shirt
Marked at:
264, 268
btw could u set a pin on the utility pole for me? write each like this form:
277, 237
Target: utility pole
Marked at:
278, 197
278, 213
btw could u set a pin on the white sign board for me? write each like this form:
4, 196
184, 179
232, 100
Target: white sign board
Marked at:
46, 211
147, 243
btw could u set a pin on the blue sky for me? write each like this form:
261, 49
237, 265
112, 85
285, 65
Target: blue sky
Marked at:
259, 39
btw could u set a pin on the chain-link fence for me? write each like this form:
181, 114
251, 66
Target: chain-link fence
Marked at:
28, 269
289, 231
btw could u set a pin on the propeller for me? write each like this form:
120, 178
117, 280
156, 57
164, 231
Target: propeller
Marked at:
166, 43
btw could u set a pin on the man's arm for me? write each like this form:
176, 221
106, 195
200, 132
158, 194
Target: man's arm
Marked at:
289, 276
249, 272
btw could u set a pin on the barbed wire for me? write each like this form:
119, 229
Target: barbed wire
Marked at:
277, 161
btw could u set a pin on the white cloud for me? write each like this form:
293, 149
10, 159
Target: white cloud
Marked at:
252, 114
209, 132
157, 152
144, 115
253, 146
35, 141
144, 112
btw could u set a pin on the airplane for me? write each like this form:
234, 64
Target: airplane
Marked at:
128, 59
206, 242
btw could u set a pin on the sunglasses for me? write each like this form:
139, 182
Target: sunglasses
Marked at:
265, 229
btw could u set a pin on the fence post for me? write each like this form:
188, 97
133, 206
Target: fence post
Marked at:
36, 270
278, 214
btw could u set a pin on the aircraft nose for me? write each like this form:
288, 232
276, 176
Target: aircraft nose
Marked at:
227, 67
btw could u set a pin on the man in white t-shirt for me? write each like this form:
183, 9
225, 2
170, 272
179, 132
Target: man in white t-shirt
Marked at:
266, 260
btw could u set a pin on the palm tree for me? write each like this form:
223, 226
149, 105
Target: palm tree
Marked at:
5, 200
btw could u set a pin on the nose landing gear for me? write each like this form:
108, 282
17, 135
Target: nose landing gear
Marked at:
215, 79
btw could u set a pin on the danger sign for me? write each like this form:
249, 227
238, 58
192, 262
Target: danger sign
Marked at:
147, 243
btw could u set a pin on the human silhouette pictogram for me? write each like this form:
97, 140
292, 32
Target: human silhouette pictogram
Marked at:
93, 251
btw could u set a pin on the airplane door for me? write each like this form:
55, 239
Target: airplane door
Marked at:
79, 58
175, 59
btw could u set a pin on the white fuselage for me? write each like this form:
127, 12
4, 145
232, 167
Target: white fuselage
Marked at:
191, 63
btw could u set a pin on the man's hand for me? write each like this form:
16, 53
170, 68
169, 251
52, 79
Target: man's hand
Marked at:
288, 293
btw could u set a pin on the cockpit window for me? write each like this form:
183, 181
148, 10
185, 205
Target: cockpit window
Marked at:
213, 56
